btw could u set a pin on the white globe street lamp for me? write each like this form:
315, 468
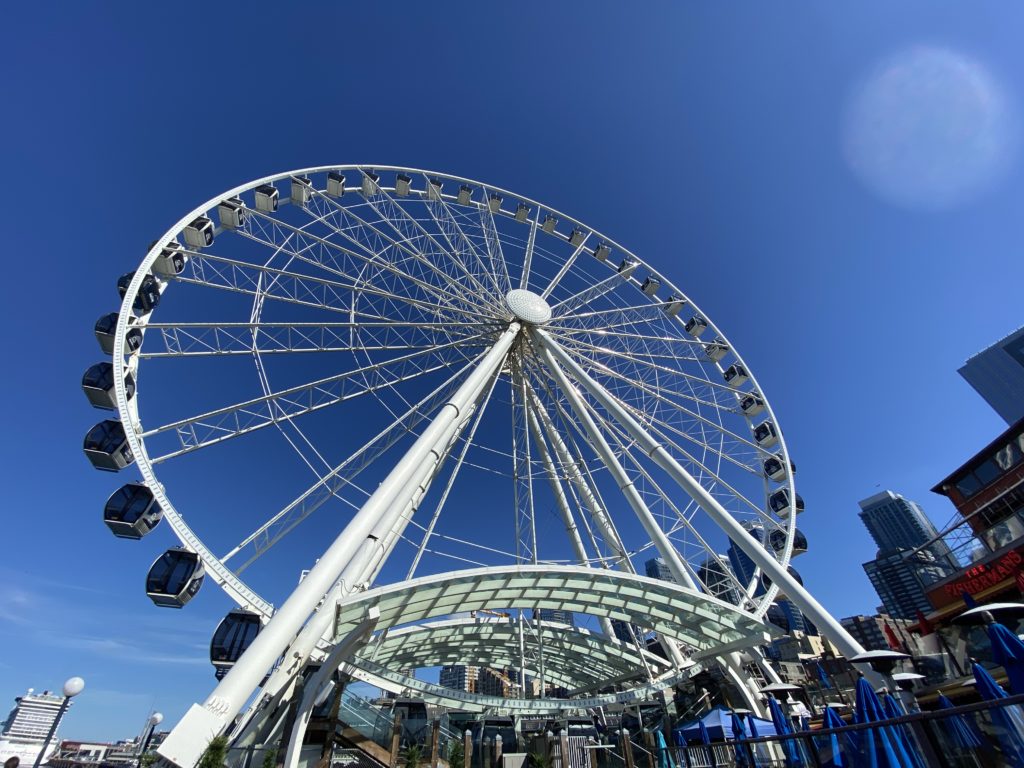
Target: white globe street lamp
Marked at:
72, 687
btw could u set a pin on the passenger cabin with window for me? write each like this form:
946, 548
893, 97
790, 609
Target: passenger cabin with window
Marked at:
695, 326
780, 503
131, 511
148, 297
751, 404
267, 198
403, 183
775, 468
777, 540
232, 637
231, 213
736, 375
106, 446
765, 434
105, 328
174, 578
335, 183
199, 233
98, 385
172, 259
371, 183
301, 190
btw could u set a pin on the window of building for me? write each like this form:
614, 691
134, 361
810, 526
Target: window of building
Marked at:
1005, 458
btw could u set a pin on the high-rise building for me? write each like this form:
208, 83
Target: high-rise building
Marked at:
910, 555
718, 577
784, 614
869, 631
494, 682
997, 374
626, 632
895, 522
555, 615
657, 568
460, 677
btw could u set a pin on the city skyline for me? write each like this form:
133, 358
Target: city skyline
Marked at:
725, 142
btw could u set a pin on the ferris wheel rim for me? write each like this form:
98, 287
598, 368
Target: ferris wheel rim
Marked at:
225, 577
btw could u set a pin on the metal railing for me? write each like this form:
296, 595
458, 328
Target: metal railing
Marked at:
987, 733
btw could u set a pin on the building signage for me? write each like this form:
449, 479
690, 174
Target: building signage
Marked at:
1005, 567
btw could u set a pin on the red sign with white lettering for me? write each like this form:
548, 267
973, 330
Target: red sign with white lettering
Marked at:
981, 576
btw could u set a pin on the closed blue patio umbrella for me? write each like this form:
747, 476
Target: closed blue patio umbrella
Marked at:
782, 728
964, 734
833, 720
894, 709
705, 738
1008, 652
738, 734
885, 751
1008, 722
664, 753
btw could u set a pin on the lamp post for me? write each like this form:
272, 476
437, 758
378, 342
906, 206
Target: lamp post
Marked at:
154, 720
72, 687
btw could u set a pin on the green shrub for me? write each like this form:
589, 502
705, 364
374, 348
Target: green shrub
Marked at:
215, 753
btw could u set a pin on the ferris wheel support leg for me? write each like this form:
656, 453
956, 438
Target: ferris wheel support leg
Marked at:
338, 654
604, 451
556, 357
744, 684
190, 736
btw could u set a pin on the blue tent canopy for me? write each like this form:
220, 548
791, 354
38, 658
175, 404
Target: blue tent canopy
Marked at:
719, 726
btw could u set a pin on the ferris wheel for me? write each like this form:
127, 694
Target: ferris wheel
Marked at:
296, 334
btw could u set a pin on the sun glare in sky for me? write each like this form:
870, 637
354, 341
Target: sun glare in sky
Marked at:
929, 129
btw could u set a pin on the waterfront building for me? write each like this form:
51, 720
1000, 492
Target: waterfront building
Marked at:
997, 374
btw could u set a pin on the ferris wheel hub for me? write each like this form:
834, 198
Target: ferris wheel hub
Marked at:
528, 306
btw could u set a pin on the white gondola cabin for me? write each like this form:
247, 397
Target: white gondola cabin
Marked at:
268, 197
174, 578
199, 233
494, 202
335, 183
775, 468
765, 434
735, 375
148, 297
403, 183
465, 194
98, 385
780, 503
232, 637
602, 252
650, 285
716, 350
522, 211
674, 305
301, 190
131, 511
105, 328
231, 212
106, 446
695, 326
751, 404
371, 183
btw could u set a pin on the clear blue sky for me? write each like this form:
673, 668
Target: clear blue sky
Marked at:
709, 140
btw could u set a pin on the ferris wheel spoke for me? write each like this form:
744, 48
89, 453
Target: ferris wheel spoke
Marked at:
323, 253
566, 307
411, 231
702, 422
462, 246
531, 242
581, 351
522, 467
431, 279
199, 339
494, 250
344, 474
251, 415
566, 266
281, 285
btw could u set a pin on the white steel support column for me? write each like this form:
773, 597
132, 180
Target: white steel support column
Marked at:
563, 506
556, 357
187, 741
